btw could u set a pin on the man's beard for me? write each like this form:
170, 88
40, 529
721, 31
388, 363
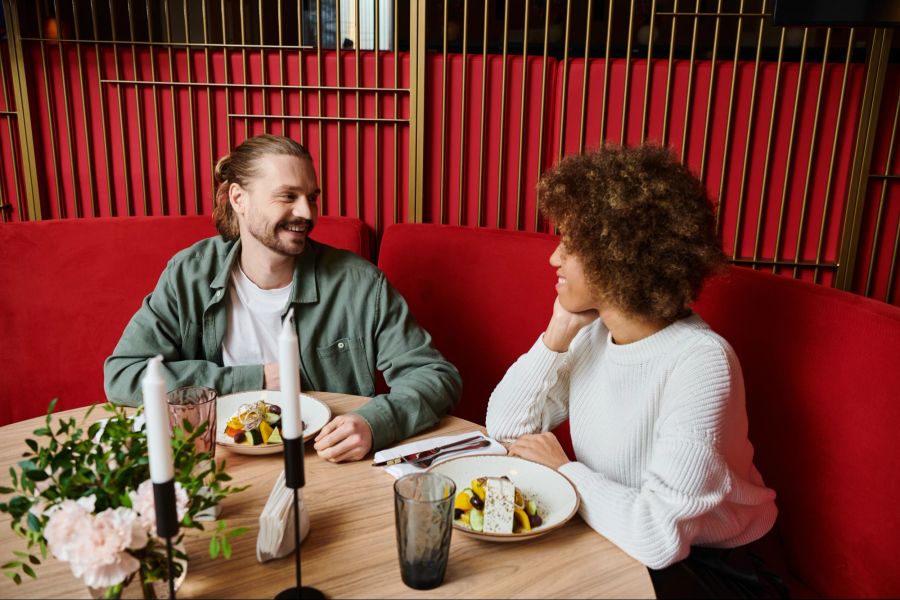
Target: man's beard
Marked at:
271, 240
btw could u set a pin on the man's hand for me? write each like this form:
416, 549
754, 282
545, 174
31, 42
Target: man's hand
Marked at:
271, 380
540, 447
347, 437
564, 325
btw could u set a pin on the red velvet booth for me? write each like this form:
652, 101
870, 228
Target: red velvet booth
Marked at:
822, 371
68, 288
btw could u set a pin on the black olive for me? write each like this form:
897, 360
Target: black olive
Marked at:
535, 520
274, 409
239, 437
477, 502
458, 513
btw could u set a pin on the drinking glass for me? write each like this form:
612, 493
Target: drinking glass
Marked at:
423, 511
197, 405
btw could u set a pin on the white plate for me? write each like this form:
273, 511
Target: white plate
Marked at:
314, 413
554, 494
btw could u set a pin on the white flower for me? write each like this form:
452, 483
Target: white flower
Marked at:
101, 558
68, 521
144, 505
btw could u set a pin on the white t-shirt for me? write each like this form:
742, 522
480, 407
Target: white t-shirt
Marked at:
254, 322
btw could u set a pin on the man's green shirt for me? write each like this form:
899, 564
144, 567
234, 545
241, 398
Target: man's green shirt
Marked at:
350, 324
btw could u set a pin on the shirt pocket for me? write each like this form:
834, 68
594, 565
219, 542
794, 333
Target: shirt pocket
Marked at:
344, 367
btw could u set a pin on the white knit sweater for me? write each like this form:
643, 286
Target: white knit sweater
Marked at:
659, 428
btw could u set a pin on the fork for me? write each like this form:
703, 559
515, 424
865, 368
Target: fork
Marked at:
423, 463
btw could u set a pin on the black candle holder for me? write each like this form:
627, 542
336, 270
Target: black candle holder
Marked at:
166, 523
295, 479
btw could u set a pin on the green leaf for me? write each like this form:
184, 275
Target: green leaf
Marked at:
34, 559
45, 431
32, 444
213, 547
13, 564
6, 490
226, 549
52, 406
15, 577
236, 532
34, 523
37, 475
29, 571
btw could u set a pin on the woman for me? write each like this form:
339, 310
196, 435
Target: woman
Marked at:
654, 398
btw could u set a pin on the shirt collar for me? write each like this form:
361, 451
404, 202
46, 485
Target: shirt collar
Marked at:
305, 287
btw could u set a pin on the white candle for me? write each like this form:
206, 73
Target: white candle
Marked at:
289, 374
156, 413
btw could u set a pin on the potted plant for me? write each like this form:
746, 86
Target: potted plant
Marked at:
82, 493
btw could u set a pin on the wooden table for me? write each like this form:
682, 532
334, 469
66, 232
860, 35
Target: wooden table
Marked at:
351, 548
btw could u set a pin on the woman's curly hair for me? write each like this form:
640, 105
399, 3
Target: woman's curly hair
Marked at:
641, 224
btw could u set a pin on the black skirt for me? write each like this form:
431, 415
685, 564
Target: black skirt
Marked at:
752, 571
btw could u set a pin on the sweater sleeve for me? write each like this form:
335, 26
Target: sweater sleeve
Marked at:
686, 475
533, 395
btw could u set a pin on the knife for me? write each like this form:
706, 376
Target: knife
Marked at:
424, 453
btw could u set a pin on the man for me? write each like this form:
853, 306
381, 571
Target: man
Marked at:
217, 309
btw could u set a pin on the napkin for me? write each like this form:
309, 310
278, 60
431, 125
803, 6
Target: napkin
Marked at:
276, 523
401, 469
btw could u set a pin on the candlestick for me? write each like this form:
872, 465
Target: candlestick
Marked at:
159, 436
289, 374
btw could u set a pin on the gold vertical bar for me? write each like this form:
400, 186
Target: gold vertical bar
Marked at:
377, 183
321, 124
129, 201
300, 70
73, 165
281, 71
396, 116
263, 66
244, 73
500, 168
649, 73
340, 141
443, 113
51, 121
605, 96
790, 154
484, 70
20, 206
9, 128
834, 146
103, 117
225, 68
625, 89
209, 90
540, 152
95, 209
690, 84
140, 111
709, 96
727, 143
584, 82
748, 143
876, 68
462, 117
417, 110
892, 271
520, 200
804, 203
190, 92
760, 215
667, 106
565, 83
881, 205
358, 151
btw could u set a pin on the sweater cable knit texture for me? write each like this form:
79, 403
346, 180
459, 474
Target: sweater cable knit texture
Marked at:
659, 428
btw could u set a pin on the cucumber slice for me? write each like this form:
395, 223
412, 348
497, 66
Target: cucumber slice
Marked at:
275, 438
476, 519
255, 436
272, 418
531, 507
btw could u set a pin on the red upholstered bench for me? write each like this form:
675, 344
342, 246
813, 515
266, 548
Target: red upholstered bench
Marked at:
68, 288
484, 295
822, 375
821, 369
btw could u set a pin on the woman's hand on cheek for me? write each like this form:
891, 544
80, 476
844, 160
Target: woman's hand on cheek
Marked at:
542, 448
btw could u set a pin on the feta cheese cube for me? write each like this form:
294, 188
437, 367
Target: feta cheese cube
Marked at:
499, 505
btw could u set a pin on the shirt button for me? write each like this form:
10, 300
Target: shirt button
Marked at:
340, 345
